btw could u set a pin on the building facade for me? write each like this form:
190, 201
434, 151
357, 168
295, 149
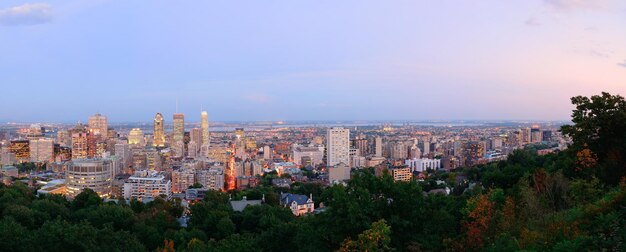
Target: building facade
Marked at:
338, 142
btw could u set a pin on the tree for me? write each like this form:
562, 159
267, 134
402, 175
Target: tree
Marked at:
377, 238
600, 126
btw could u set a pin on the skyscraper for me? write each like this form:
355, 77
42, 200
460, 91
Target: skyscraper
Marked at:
159, 131
41, 150
98, 125
378, 144
178, 135
79, 142
338, 144
204, 116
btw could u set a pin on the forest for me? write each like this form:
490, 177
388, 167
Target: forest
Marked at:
573, 200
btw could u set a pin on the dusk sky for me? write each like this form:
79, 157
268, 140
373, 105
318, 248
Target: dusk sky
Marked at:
62, 61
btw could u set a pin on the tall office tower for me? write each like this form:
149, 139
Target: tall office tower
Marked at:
196, 135
95, 174
338, 144
122, 150
525, 136
136, 138
425, 147
360, 144
41, 150
178, 135
98, 125
379, 147
79, 141
204, 116
159, 131
535, 135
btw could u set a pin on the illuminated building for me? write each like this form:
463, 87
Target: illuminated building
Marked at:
41, 150
204, 123
182, 179
96, 146
159, 131
240, 134
95, 174
63, 138
153, 160
21, 149
473, 152
136, 138
338, 142
213, 178
178, 134
147, 185
250, 143
79, 142
401, 173
98, 125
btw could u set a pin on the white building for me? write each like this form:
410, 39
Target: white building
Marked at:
41, 150
315, 153
423, 164
95, 174
146, 185
338, 142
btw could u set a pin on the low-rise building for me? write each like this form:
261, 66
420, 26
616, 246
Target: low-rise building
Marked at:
147, 185
298, 204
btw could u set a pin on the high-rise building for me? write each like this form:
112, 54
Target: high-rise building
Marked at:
98, 125
41, 150
159, 131
95, 174
212, 178
178, 134
21, 149
122, 150
360, 144
136, 138
196, 135
182, 179
204, 124
338, 142
79, 142
378, 144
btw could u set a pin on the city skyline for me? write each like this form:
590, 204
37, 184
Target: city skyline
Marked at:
365, 60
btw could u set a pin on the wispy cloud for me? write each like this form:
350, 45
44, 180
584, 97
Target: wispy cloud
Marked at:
622, 64
575, 4
26, 14
532, 22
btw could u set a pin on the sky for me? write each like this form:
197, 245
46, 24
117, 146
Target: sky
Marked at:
62, 61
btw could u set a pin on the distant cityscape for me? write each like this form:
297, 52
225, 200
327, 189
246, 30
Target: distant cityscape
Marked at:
172, 158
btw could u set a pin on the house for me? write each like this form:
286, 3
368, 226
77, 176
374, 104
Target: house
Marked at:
298, 203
